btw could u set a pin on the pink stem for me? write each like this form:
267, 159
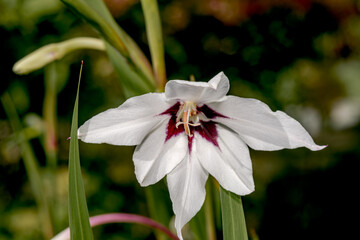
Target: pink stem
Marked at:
119, 218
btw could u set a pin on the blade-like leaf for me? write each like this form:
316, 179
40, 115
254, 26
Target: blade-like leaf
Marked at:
198, 225
78, 212
234, 225
96, 13
155, 39
133, 85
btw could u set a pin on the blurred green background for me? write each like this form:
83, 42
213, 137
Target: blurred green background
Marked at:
300, 56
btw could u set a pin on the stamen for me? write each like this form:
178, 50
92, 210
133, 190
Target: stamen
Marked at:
187, 115
191, 124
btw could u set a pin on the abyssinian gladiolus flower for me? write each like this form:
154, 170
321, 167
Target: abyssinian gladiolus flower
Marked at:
193, 130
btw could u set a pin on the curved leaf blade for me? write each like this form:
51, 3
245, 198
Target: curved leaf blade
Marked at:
133, 85
78, 212
96, 14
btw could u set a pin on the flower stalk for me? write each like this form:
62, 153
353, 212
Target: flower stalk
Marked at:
49, 112
119, 218
155, 38
209, 210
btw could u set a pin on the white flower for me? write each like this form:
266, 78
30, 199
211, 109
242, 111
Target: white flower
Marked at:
191, 130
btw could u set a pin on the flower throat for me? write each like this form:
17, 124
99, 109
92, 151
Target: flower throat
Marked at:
187, 115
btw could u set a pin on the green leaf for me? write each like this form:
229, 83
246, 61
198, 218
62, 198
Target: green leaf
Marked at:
31, 166
202, 225
133, 84
233, 219
96, 13
78, 211
155, 39
198, 224
157, 196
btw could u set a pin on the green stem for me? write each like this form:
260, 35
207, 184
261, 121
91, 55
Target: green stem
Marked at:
202, 225
49, 112
209, 210
157, 207
155, 39
50, 135
82, 43
31, 167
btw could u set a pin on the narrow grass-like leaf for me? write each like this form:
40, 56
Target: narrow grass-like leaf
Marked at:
198, 223
96, 13
78, 212
31, 166
158, 206
155, 39
133, 85
216, 203
203, 225
209, 209
233, 219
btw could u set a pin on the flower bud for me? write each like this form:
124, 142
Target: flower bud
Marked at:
55, 51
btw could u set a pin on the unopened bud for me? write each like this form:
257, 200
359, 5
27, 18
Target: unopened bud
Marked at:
55, 51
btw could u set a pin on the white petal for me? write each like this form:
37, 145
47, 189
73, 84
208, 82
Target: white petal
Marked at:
261, 128
129, 123
187, 189
155, 157
199, 92
229, 163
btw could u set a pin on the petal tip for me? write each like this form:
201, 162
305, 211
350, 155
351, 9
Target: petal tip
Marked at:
222, 74
220, 82
179, 234
318, 147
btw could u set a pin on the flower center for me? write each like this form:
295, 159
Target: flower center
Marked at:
187, 115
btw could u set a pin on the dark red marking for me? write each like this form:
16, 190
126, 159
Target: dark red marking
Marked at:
207, 130
172, 130
209, 113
